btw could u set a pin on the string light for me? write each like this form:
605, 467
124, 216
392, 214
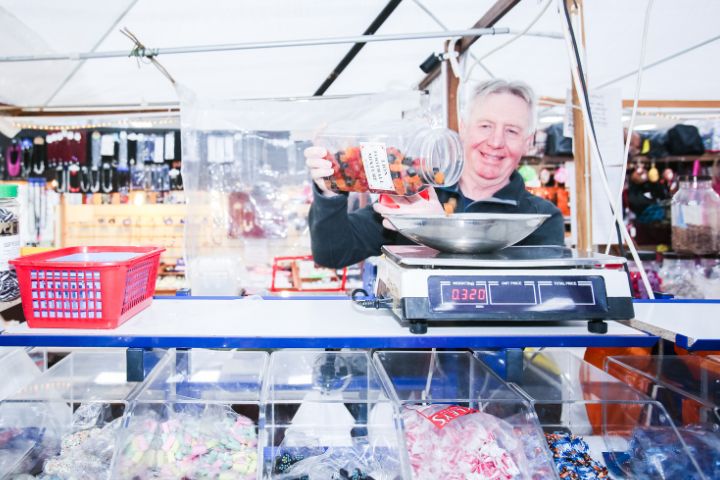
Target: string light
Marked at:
124, 123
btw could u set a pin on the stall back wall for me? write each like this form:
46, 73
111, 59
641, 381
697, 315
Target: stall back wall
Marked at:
248, 191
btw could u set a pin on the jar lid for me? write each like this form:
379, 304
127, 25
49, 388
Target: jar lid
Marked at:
677, 256
645, 255
698, 178
8, 190
440, 153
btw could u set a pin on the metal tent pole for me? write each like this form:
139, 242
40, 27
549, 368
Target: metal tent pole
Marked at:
473, 32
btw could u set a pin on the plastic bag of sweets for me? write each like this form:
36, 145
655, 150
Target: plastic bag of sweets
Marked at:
452, 441
216, 443
402, 160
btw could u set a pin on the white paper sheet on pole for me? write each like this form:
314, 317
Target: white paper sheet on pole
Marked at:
607, 116
606, 107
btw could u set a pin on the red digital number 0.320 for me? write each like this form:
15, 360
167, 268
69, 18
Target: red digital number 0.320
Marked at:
466, 293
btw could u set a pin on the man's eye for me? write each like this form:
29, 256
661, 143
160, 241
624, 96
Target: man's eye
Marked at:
484, 125
513, 131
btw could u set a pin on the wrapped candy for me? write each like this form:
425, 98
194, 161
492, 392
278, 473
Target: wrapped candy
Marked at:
218, 444
455, 442
572, 458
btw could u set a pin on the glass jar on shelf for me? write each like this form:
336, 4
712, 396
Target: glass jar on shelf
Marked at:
695, 217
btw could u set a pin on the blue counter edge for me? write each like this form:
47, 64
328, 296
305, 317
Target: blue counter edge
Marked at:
418, 341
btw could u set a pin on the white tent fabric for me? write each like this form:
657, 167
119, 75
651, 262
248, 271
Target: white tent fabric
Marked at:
613, 30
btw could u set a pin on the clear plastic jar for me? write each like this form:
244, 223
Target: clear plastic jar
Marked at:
9, 241
695, 214
400, 163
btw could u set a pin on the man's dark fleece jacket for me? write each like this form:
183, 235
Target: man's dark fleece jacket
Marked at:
340, 239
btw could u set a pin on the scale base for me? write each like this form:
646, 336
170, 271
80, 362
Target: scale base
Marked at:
420, 326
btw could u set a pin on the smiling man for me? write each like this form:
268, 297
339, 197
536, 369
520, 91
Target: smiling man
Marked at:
496, 130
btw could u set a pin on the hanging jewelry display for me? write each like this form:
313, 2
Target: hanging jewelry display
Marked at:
14, 160
106, 178
39, 152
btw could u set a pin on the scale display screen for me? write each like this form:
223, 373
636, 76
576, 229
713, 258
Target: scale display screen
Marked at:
517, 293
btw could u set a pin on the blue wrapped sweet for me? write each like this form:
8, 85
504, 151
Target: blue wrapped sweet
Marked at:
572, 458
658, 453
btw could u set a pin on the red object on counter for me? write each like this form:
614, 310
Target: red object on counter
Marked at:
281, 264
86, 287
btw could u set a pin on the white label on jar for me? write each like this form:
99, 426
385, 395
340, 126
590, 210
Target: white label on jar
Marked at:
692, 214
377, 170
9, 249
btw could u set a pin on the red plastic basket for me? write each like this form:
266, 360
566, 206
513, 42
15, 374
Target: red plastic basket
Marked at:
86, 287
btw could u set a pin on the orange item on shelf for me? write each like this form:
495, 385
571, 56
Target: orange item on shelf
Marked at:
619, 417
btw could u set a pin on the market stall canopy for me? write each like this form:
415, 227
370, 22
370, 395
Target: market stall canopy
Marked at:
613, 38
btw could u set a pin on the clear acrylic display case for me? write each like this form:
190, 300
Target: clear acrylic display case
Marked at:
445, 395
64, 422
325, 412
196, 416
18, 368
624, 430
689, 389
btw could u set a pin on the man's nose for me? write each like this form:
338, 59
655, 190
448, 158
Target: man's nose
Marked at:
497, 138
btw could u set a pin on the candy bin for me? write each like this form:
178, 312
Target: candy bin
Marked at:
597, 426
328, 415
689, 388
196, 417
460, 420
400, 160
63, 424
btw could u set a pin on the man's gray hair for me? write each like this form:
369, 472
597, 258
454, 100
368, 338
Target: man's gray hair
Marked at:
517, 88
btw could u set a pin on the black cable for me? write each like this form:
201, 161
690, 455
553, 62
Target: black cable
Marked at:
365, 302
591, 124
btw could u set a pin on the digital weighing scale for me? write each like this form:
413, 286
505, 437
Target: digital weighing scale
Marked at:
527, 283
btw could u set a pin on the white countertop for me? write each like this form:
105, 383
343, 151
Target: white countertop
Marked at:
190, 322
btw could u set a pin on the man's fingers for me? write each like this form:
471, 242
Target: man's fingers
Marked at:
315, 152
318, 163
319, 168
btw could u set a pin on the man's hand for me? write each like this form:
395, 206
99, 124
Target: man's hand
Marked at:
319, 168
423, 203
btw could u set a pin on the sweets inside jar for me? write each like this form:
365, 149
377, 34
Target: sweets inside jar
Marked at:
396, 173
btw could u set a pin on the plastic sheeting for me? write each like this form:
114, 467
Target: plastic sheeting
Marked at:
247, 188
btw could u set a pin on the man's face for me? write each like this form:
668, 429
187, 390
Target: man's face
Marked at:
495, 138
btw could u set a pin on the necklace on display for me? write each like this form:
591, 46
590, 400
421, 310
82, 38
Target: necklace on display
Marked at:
94, 179
38, 156
14, 153
107, 178
61, 178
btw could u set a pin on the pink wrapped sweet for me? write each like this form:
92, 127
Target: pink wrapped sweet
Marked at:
459, 443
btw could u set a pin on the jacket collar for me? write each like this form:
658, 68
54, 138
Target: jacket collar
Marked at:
507, 195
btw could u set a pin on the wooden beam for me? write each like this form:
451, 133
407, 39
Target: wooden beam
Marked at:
648, 103
491, 17
453, 83
582, 201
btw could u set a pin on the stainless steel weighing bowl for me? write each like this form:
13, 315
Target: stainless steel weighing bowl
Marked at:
467, 232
